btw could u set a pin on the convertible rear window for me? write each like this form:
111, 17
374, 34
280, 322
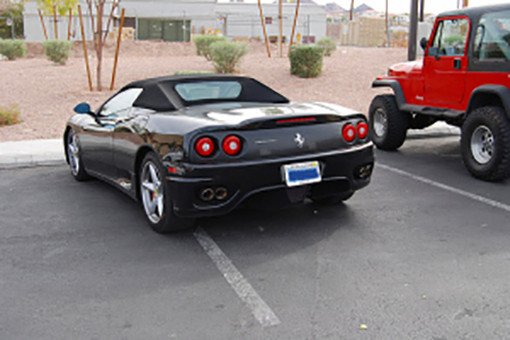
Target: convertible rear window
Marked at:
208, 90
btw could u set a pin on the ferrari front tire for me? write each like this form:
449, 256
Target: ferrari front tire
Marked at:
388, 125
485, 143
156, 197
74, 157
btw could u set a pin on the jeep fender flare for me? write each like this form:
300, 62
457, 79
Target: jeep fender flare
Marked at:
395, 86
486, 94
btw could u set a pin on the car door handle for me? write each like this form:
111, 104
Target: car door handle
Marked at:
457, 63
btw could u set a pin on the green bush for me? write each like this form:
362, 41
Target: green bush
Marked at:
9, 115
13, 49
306, 61
227, 55
57, 51
203, 44
328, 46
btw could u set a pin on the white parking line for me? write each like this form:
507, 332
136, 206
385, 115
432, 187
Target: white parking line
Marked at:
265, 316
478, 198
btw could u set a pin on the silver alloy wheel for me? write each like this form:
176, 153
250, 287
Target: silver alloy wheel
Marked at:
73, 153
152, 192
482, 144
380, 122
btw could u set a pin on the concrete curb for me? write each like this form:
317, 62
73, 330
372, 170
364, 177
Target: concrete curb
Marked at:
439, 129
30, 153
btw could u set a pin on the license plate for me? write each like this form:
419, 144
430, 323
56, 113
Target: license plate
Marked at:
302, 173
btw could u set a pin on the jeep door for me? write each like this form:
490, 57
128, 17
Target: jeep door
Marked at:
446, 62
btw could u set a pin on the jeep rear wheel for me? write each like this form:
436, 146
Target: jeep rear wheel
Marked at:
388, 125
485, 143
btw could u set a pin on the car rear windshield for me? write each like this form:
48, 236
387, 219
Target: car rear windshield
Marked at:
208, 90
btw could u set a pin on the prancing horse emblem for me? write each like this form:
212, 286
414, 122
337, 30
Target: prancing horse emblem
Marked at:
300, 140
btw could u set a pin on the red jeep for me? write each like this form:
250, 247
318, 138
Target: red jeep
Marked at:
464, 80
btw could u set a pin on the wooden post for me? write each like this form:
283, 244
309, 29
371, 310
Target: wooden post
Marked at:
280, 28
99, 41
55, 22
43, 25
294, 24
351, 11
117, 49
69, 24
84, 43
263, 23
387, 20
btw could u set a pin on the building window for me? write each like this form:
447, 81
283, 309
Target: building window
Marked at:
269, 20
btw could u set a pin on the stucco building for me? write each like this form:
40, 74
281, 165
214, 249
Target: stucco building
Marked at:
178, 20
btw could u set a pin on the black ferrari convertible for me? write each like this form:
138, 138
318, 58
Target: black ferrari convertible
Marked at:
191, 146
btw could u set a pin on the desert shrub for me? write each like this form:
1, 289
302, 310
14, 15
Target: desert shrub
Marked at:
227, 55
306, 61
13, 49
57, 51
328, 46
9, 115
203, 44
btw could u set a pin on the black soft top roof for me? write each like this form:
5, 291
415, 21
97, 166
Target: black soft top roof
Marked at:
159, 93
475, 12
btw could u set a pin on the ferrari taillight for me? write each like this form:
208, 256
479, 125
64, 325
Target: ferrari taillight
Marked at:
362, 130
349, 133
232, 145
204, 146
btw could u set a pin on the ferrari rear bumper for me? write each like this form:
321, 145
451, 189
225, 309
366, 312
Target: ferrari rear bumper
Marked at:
262, 182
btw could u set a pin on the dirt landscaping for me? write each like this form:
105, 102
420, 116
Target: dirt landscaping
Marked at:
46, 94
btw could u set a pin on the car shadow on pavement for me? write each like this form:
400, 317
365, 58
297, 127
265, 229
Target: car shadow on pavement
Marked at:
276, 233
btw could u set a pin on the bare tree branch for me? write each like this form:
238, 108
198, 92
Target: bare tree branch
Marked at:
115, 4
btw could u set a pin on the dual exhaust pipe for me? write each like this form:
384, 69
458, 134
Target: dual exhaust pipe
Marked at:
209, 194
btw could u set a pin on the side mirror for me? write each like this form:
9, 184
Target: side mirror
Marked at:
423, 43
433, 52
83, 108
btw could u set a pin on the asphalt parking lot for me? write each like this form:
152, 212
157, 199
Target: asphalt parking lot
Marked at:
422, 253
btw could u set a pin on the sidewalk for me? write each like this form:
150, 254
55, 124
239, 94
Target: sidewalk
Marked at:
31, 153
439, 129
39, 152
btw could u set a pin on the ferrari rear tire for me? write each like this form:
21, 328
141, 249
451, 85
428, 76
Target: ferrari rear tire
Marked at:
156, 197
74, 157
485, 143
388, 125
333, 199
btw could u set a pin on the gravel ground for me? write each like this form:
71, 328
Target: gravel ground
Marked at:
47, 93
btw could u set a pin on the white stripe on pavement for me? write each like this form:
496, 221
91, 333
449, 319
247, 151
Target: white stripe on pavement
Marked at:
478, 198
265, 316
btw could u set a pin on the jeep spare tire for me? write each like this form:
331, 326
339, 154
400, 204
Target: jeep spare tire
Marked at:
485, 143
388, 125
